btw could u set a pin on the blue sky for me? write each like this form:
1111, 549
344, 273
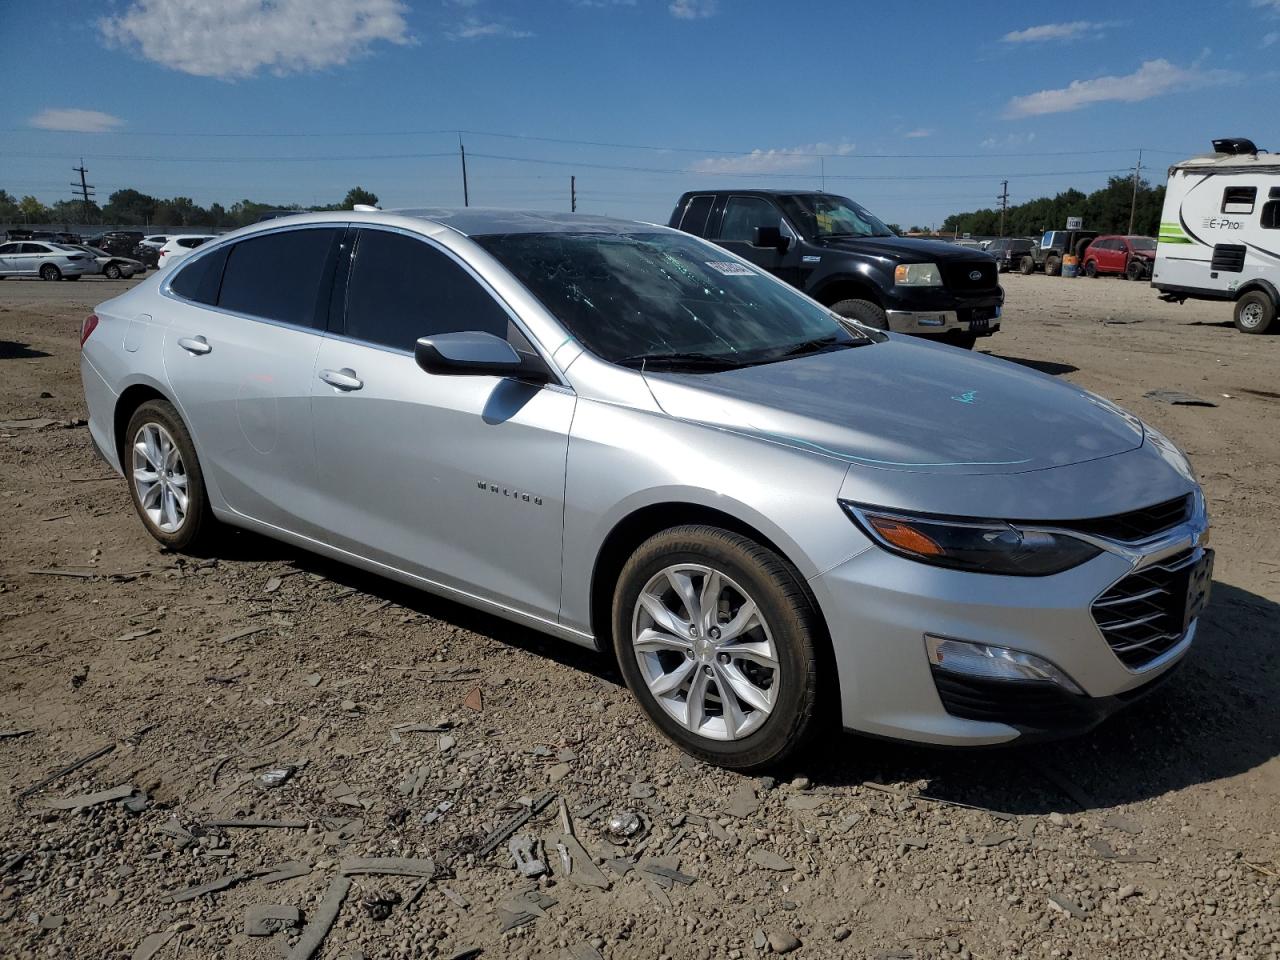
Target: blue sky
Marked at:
917, 109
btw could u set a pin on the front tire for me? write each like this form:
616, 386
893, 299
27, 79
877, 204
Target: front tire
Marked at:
718, 640
1135, 270
1053, 266
1091, 269
864, 311
1255, 312
112, 272
50, 271
166, 483
1027, 266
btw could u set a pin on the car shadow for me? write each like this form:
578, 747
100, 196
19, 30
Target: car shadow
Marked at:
13, 350
1217, 719
1051, 367
1227, 324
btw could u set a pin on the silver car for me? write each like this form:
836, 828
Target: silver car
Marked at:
43, 259
633, 440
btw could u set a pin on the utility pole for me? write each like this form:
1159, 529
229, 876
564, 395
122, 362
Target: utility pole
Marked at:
1004, 203
822, 173
466, 196
1133, 203
85, 189
573, 194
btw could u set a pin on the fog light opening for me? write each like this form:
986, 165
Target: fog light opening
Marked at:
990, 662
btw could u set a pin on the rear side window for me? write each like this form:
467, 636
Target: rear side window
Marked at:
1239, 199
191, 242
200, 279
695, 215
743, 214
278, 276
401, 289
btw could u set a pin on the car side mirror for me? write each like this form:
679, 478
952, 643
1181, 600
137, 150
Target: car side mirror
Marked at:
477, 354
770, 237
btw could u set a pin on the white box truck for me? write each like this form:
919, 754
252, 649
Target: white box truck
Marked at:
1220, 233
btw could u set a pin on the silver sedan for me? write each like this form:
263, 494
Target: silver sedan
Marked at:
48, 261
640, 443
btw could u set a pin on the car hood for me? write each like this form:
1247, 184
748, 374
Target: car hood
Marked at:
907, 250
907, 405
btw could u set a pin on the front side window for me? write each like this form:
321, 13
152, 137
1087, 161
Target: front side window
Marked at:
823, 215
1239, 199
401, 288
665, 299
743, 214
1145, 244
277, 276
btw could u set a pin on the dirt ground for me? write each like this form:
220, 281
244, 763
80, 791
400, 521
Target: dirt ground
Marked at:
1157, 835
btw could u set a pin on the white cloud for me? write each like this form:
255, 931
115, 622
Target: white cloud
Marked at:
1074, 30
1009, 140
1271, 38
772, 161
237, 38
1268, 4
692, 9
76, 121
918, 134
473, 28
1153, 79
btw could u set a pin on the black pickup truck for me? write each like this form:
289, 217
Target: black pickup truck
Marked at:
843, 257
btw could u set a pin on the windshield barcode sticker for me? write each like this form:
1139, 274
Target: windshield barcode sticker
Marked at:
730, 269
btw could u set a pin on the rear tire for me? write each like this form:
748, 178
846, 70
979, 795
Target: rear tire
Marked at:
864, 311
772, 679
1053, 266
1027, 265
1255, 313
165, 481
1091, 269
50, 271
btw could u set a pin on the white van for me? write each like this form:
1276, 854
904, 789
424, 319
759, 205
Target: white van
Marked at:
1220, 233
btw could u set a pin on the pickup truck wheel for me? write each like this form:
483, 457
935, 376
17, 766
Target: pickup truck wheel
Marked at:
718, 640
1255, 312
864, 311
1027, 265
1091, 268
1053, 266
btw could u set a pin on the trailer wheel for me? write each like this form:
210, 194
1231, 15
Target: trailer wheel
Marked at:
1255, 312
1053, 265
1027, 266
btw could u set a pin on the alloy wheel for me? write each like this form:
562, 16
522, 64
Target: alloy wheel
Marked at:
160, 477
705, 652
1251, 315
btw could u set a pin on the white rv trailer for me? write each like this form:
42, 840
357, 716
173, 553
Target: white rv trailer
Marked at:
1220, 233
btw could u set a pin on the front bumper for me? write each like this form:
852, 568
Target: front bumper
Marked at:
982, 321
879, 607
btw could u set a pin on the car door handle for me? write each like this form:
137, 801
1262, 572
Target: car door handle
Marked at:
344, 379
195, 345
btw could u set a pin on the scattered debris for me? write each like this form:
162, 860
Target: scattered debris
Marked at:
93, 799
474, 701
580, 868
624, 825
257, 824
523, 909
288, 870
769, 860
524, 851
743, 803
395, 866
276, 776
783, 941
7, 734
379, 904
1177, 398
441, 808
265, 919
1066, 905
69, 768
321, 920
137, 634
500, 835
152, 944
213, 886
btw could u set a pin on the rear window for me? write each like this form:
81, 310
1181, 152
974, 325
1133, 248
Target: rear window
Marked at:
278, 276
191, 242
199, 279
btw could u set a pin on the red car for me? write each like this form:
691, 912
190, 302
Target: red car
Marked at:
1130, 257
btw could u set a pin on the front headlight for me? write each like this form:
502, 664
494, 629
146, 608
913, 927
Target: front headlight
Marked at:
979, 546
917, 275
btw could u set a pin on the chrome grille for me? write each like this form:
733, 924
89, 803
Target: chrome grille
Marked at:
1142, 615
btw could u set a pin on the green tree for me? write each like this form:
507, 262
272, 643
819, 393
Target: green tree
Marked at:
129, 207
9, 210
73, 212
32, 210
359, 195
1105, 210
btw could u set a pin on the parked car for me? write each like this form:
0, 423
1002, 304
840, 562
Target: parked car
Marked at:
1053, 246
147, 255
1009, 252
1129, 257
112, 267
119, 243
175, 248
627, 437
48, 261
156, 240
841, 255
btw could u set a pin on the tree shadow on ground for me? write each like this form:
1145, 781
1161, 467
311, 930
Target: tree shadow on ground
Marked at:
13, 350
1219, 717
1051, 367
